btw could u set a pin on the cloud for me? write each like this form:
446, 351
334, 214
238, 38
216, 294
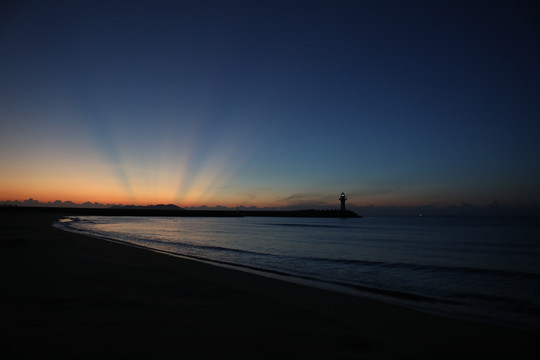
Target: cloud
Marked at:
465, 209
301, 196
57, 203
31, 202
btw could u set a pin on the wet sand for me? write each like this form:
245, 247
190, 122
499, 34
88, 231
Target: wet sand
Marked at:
70, 296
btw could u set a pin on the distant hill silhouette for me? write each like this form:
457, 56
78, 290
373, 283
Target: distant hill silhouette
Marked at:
148, 207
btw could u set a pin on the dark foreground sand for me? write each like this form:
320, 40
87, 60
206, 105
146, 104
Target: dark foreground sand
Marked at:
69, 296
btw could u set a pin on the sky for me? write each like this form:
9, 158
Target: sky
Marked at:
270, 103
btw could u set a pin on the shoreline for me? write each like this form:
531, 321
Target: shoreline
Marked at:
371, 293
76, 296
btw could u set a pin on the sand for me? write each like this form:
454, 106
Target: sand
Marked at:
70, 296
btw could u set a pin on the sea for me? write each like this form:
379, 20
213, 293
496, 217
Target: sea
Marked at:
484, 269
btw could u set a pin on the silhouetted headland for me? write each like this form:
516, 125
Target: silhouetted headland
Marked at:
164, 210
303, 213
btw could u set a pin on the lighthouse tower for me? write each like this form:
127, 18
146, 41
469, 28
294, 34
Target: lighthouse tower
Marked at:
342, 198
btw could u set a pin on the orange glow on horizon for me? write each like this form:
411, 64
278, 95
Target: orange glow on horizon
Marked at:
165, 178
172, 176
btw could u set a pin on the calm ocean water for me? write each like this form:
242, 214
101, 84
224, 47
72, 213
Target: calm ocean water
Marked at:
483, 269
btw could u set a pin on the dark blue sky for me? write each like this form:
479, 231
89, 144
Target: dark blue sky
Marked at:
270, 103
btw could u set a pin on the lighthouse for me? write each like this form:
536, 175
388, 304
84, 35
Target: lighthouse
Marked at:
342, 198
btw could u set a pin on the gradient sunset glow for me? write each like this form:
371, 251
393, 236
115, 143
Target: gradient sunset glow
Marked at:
270, 104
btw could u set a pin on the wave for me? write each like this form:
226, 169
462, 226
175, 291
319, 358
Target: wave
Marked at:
362, 288
206, 247
308, 225
415, 267
75, 219
427, 268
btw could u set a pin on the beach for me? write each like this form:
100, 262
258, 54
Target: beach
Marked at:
71, 296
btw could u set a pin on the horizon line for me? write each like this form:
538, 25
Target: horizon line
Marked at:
467, 209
